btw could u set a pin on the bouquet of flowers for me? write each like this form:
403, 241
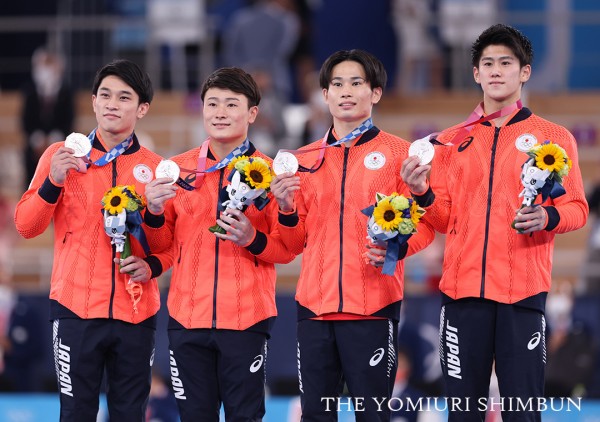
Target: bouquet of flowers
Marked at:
250, 181
392, 221
122, 218
543, 172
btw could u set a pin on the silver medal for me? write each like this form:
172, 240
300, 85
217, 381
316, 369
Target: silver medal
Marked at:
79, 143
168, 169
423, 149
285, 162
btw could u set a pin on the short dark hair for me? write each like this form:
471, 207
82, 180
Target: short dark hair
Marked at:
236, 80
508, 36
131, 74
374, 69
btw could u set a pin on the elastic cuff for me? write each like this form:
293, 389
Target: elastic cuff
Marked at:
424, 192
288, 219
54, 182
258, 244
155, 265
426, 199
287, 212
403, 251
49, 191
253, 237
553, 218
154, 221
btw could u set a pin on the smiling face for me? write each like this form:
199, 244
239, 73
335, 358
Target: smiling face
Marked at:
349, 96
227, 116
501, 77
117, 109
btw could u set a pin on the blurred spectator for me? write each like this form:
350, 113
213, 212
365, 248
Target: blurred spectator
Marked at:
48, 108
404, 392
162, 406
419, 55
420, 343
356, 24
423, 271
591, 276
461, 22
571, 347
22, 345
264, 35
7, 295
302, 60
178, 31
268, 131
318, 120
7, 303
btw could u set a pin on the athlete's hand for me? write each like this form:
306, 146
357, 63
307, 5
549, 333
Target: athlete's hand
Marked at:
136, 267
157, 192
284, 189
414, 174
239, 229
531, 219
375, 255
61, 162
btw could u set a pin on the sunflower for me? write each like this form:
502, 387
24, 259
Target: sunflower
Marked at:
115, 200
415, 214
550, 157
257, 174
386, 216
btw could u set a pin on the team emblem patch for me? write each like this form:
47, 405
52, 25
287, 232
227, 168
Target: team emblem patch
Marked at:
142, 173
525, 142
374, 160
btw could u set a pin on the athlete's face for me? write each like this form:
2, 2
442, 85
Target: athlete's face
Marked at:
349, 96
227, 116
117, 109
500, 75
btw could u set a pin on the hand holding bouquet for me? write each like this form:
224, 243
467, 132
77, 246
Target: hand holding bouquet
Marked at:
392, 221
250, 181
122, 218
543, 172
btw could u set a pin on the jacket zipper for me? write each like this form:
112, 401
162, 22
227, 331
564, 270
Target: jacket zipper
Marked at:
453, 230
488, 212
216, 276
342, 198
114, 251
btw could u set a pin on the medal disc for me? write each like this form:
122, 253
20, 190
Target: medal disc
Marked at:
169, 169
285, 162
423, 149
79, 143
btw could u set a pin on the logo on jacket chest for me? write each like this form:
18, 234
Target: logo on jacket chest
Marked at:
374, 160
143, 173
525, 142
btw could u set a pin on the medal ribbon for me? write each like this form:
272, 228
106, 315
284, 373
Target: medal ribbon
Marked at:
362, 128
201, 169
474, 119
110, 155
